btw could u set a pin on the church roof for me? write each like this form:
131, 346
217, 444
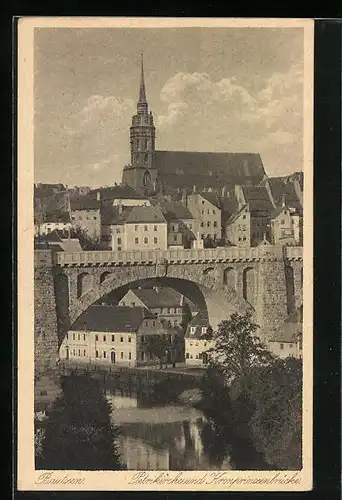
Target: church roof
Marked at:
201, 169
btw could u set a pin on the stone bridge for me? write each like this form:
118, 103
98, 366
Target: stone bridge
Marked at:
265, 279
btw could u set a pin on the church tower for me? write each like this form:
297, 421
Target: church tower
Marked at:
140, 174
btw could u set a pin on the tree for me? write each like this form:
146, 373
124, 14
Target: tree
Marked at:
157, 346
238, 349
87, 242
79, 433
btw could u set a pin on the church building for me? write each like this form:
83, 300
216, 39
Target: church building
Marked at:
169, 172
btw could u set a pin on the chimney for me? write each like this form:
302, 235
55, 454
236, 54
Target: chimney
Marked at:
181, 303
223, 191
98, 195
283, 200
156, 289
194, 188
120, 207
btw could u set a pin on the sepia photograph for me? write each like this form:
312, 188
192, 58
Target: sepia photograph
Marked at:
165, 322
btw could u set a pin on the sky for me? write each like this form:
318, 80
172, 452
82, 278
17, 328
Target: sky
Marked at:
210, 89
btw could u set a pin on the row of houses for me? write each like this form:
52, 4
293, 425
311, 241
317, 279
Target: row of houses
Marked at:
152, 325
119, 218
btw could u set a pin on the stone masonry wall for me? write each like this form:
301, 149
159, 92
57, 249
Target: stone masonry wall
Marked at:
45, 317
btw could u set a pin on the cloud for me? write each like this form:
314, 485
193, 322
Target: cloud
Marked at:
228, 116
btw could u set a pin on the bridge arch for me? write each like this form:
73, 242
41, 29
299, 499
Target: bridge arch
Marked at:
217, 301
229, 277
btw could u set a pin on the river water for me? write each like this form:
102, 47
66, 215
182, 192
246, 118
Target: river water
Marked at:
161, 437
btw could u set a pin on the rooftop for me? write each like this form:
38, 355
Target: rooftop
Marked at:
145, 214
158, 297
189, 168
119, 192
173, 210
109, 319
84, 202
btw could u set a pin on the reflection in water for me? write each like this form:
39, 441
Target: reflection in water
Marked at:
164, 437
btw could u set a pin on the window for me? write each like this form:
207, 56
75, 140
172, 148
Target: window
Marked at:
104, 354
142, 356
202, 211
191, 356
87, 217
129, 339
129, 355
96, 338
142, 338
196, 356
175, 322
145, 228
84, 352
215, 223
155, 228
73, 336
204, 330
78, 336
118, 230
96, 354
173, 228
113, 338
80, 217
244, 238
202, 202
79, 352
84, 336
281, 346
66, 336
119, 249
135, 228
119, 241
72, 217
187, 355
208, 223
175, 237
291, 346
192, 330
239, 238
243, 216
136, 241
94, 218
282, 222
146, 240
202, 236
121, 355
121, 339
208, 211
190, 226
133, 304
74, 352
202, 224
214, 212
104, 338
153, 323
155, 240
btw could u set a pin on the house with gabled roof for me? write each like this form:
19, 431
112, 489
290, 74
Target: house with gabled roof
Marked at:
206, 209
198, 341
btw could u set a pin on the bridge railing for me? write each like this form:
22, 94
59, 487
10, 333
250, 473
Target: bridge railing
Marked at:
183, 255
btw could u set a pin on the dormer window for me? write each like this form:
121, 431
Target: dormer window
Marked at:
192, 330
204, 330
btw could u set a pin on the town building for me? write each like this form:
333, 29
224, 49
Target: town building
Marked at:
117, 335
287, 340
205, 208
250, 224
287, 226
61, 241
180, 224
56, 220
152, 171
168, 304
198, 341
121, 194
86, 214
138, 228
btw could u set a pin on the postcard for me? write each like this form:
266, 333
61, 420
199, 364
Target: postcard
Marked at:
165, 254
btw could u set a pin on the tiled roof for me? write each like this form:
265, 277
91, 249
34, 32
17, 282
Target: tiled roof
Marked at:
229, 205
212, 198
174, 210
84, 202
183, 169
197, 321
57, 216
164, 297
145, 214
257, 198
120, 192
111, 214
109, 319
282, 189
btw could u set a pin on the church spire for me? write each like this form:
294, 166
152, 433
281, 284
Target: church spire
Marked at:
142, 92
142, 105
